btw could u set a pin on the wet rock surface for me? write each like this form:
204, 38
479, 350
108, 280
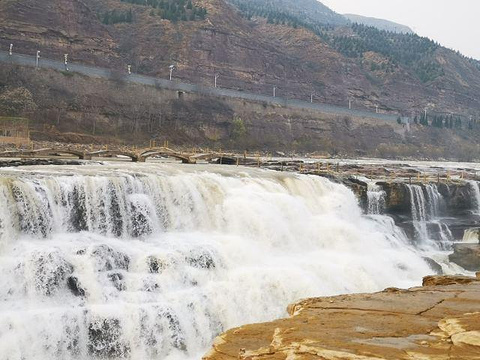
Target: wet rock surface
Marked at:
467, 256
51, 273
108, 259
434, 266
75, 286
105, 340
449, 219
397, 199
440, 320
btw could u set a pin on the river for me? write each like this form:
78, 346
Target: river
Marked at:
152, 261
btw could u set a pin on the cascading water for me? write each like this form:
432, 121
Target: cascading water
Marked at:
476, 194
419, 213
376, 199
471, 236
435, 201
427, 204
153, 261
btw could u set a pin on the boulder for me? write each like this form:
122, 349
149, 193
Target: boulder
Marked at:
201, 259
118, 281
108, 259
467, 256
75, 286
156, 265
51, 272
105, 339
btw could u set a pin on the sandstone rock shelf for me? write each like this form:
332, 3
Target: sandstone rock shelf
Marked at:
440, 320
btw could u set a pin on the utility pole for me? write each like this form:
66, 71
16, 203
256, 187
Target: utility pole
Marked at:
425, 113
37, 59
274, 91
129, 69
65, 58
349, 104
311, 98
216, 77
171, 67
10, 51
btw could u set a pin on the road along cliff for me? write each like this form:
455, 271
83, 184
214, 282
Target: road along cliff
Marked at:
440, 320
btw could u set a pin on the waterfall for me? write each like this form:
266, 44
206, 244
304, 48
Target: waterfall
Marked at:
152, 261
471, 236
435, 201
427, 205
419, 212
418, 203
476, 194
376, 199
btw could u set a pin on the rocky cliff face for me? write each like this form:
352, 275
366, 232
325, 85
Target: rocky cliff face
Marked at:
56, 27
248, 54
457, 195
440, 320
75, 108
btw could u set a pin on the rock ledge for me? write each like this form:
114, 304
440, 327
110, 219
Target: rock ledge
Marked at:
440, 320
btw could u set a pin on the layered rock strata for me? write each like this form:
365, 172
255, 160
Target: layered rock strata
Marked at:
440, 320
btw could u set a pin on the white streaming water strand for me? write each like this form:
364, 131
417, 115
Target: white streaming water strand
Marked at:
376, 199
471, 236
437, 207
153, 261
426, 215
476, 194
435, 201
419, 212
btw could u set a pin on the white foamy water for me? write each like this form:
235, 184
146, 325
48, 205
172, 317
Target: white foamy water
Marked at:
150, 261
427, 205
476, 194
471, 236
376, 198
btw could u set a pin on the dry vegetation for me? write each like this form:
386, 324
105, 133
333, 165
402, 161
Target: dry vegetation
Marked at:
72, 108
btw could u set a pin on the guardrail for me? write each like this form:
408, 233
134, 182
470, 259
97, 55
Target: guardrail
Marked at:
26, 60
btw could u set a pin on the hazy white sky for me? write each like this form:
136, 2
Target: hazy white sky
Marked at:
453, 23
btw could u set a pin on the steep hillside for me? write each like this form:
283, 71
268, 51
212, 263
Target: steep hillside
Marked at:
67, 107
380, 24
310, 11
304, 54
56, 26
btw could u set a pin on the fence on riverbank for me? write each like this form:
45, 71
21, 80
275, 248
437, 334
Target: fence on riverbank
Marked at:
14, 130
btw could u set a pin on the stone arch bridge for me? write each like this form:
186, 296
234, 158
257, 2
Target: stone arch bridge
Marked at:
136, 155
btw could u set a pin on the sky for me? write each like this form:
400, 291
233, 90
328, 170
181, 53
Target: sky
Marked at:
453, 23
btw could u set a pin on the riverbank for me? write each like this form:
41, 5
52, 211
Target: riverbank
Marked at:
440, 320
